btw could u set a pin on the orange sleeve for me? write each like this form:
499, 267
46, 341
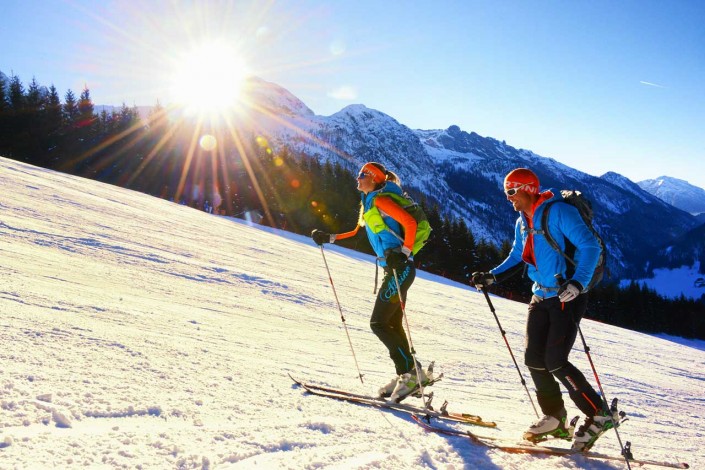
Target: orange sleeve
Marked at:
352, 233
396, 212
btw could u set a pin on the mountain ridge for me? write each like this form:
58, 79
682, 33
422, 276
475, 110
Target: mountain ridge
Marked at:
676, 192
463, 171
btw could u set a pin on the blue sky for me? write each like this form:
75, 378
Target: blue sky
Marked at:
600, 85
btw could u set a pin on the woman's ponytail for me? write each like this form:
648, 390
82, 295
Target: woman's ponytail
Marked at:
393, 177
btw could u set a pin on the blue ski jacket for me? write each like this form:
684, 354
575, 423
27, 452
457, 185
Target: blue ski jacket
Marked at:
564, 222
385, 240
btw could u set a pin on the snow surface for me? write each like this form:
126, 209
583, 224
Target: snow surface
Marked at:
137, 333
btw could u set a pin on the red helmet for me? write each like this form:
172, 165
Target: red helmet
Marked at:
522, 179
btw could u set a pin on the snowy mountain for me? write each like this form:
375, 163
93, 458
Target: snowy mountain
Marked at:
139, 333
274, 99
462, 172
677, 193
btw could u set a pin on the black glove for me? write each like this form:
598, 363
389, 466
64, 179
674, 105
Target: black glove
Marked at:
569, 291
396, 260
320, 237
481, 279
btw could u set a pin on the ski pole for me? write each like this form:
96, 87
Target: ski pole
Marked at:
604, 397
504, 335
408, 334
605, 406
342, 317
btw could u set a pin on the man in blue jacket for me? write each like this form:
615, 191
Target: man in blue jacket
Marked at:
556, 307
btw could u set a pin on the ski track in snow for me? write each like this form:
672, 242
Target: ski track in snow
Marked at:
136, 333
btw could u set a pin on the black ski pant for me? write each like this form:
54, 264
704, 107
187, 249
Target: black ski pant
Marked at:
387, 317
551, 330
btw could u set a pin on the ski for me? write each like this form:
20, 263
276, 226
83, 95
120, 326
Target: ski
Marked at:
425, 423
559, 451
358, 395
528, 448
442, 413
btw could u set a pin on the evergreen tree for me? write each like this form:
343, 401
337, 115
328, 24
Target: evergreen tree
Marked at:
18, 128
103, 123
86, 118
126, 118
34, 97
443, 249
34, 105
85, 104
53, 111
16, 96
4, 105
70, 109
71, 145
52, 123
463, 252
5, 117
429, 257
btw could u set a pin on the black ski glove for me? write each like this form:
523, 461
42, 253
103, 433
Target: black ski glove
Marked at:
396, 260
569, 291
482, 279
320, 237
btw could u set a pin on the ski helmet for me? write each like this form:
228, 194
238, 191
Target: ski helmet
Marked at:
522, 179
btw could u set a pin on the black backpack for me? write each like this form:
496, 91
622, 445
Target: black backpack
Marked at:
580, 202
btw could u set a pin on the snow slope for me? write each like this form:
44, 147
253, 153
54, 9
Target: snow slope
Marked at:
136, 333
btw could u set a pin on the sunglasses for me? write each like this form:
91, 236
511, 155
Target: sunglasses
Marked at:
363, 175
513, 191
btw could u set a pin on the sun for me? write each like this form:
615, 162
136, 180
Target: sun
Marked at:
208, 79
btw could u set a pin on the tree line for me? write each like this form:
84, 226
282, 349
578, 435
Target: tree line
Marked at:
163, 154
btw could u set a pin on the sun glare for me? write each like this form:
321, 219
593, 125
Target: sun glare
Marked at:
208, 79
208, 142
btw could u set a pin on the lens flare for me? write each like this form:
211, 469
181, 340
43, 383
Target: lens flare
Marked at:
208, 142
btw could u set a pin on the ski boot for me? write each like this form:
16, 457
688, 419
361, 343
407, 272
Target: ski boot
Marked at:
595, 426
550, 426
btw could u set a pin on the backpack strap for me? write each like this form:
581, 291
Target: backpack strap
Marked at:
551, 241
